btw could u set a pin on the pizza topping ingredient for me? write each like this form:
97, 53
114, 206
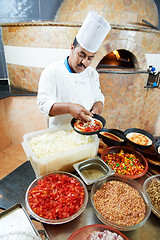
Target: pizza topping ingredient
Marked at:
105, 235
56, 196
92, 173
124, 163
154, 192
92, 126
139, 138
119, 203
53, 143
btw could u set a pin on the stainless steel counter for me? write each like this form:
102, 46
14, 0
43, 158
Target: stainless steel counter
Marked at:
149, 231
12, 191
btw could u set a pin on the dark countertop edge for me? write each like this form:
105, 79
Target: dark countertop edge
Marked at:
4, 94
13, 92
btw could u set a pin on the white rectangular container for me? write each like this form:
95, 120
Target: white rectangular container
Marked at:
62, 161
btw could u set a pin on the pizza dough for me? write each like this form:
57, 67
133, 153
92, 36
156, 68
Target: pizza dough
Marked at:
139, 138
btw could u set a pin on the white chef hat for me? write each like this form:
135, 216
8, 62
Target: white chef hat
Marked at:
92, 32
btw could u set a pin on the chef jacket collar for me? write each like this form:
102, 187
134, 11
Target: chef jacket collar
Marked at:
67, 65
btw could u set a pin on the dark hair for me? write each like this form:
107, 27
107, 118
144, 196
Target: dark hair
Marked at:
75, 42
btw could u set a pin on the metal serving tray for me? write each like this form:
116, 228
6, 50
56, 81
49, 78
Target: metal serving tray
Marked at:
15, 221
93, 163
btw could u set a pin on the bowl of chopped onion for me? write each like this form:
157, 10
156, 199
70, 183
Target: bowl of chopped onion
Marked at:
56, 198
152, 187
97, 231
120, 203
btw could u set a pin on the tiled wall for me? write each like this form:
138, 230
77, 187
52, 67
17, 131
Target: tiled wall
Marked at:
127, 102
115, 11
60, 37
24, 11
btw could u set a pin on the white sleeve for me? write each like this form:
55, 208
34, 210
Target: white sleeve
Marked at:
47, 90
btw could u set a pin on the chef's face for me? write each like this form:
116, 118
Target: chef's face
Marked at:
79, 58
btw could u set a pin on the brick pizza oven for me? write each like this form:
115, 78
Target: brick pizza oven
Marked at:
128, 100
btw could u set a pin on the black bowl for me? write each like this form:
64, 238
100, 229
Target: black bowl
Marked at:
96, 116
141, 131
110, 141
156, 145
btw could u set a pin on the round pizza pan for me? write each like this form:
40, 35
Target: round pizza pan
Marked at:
96, 116
141, 131
110, 141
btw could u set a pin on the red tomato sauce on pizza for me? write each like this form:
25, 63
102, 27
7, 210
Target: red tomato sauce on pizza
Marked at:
92, 126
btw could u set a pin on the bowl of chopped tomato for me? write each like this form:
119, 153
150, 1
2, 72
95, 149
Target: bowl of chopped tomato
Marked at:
125, 161
56, 198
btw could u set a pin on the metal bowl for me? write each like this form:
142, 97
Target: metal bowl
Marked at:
92, 163
132, 183
84, 232
96, 116
145, 133
146, 185
117, 149
110, 141
58, 221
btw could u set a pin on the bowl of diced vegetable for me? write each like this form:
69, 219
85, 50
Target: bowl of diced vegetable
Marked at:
152, 187
125, 161
56, 198
121, 203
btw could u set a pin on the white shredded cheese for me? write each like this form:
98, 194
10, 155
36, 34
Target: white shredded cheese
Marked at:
53, 143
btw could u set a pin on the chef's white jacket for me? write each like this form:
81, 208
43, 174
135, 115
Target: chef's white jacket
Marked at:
57, 84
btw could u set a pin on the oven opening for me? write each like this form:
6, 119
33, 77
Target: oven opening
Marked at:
118, 59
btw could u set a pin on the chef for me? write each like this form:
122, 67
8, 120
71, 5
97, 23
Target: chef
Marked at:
70, 88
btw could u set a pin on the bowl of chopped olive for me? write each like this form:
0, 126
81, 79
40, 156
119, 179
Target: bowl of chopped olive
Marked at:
152, 187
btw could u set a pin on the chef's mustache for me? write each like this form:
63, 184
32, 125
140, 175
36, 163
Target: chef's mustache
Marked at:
81, 65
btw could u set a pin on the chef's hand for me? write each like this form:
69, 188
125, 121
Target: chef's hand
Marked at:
79, 112
97, 108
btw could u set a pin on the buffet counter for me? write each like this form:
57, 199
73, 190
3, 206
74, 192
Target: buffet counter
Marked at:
14, 186
149, 231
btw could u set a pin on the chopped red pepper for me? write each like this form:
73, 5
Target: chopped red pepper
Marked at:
56, 196
124, 163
